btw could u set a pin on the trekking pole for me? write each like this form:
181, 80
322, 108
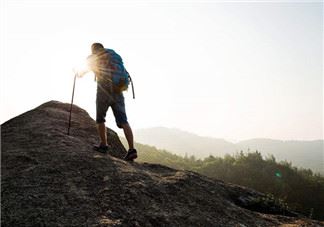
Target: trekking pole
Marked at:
68, 132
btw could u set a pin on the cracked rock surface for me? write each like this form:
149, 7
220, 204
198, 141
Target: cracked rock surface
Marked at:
49, 178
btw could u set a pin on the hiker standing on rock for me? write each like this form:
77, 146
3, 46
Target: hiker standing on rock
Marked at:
112, 80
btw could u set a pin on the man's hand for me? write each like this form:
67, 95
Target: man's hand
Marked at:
80, 73
81, 69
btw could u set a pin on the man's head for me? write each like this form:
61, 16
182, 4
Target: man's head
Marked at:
96, 48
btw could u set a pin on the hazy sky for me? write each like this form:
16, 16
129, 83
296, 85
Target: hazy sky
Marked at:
233, 70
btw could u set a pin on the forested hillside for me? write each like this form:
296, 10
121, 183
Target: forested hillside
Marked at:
305, 154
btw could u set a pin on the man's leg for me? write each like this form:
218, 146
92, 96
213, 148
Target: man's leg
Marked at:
132, 153
102, 134
129, 135
121, 121
103, 102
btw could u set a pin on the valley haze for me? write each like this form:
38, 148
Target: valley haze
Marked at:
301, 153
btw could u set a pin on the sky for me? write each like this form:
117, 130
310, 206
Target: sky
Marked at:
226, 69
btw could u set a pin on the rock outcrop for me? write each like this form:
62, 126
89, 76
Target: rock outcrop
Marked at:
51, 179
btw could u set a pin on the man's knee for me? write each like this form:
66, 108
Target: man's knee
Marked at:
123, 125
100, 117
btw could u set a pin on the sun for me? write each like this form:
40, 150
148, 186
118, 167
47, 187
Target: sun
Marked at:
60, 60
81, 68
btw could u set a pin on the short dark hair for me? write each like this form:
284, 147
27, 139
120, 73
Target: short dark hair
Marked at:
95, 47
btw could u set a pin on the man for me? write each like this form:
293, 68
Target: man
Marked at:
106, 63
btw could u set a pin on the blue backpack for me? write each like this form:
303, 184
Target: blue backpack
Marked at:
120, 76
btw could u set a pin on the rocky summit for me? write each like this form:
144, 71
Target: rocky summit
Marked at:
49, 178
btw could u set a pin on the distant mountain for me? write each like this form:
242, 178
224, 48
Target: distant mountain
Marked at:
306, 154
182, 142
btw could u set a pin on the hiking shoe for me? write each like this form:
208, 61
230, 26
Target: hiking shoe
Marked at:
131, 155
101, 148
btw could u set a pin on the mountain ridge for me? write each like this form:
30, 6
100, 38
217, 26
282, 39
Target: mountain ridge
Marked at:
211, 137
52, 179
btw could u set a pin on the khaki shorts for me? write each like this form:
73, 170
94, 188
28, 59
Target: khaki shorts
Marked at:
115, 101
